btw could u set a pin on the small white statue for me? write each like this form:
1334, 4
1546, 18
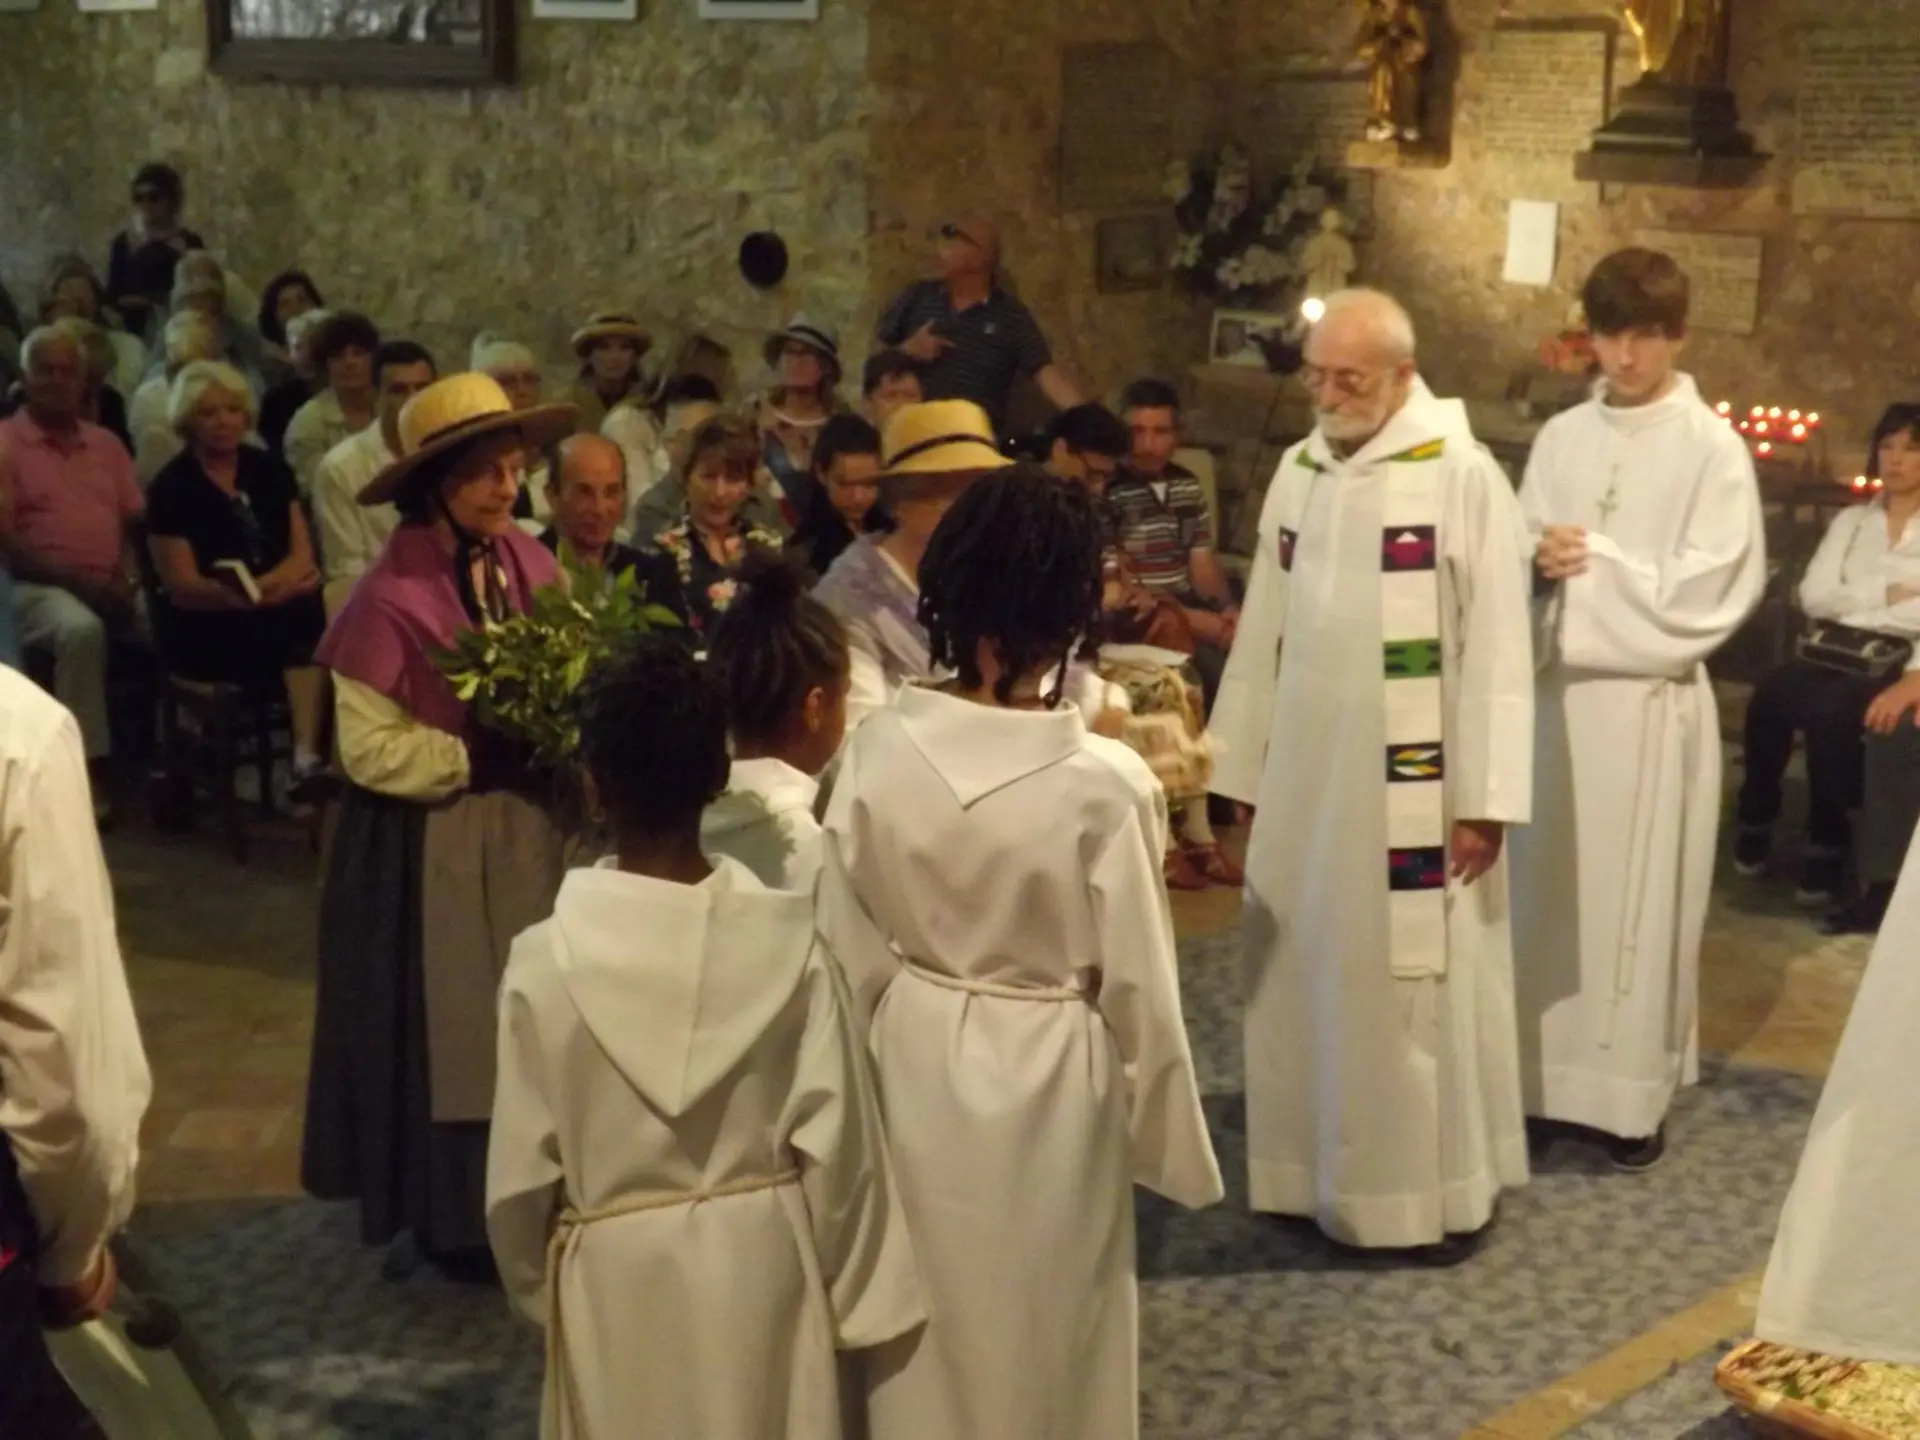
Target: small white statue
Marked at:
1328, 258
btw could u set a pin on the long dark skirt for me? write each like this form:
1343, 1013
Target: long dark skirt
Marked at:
370, 1135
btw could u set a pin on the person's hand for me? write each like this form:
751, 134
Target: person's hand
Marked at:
112, 601
1111, 723
1894, 704
1900, 594
925, 346
1209, 626
1476, 845
1229, 625
1563, 552
277, 588
1244, 815
64, 1306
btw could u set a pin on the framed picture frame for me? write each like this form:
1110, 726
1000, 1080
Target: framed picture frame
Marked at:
1238, 336
105, 7
759, 9
1130, 253
456, 44
586, 9
20, 5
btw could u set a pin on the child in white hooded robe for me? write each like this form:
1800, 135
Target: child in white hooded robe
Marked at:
686, 1182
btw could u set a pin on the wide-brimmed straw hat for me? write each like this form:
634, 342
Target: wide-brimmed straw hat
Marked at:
611, 325
454, 410
823, 340
939, 437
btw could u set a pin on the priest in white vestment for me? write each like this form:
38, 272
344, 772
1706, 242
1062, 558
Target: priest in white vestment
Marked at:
1846, 1263
1378, 709
1651, 556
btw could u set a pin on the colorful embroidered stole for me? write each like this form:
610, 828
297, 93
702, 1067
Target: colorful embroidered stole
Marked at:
1415, 765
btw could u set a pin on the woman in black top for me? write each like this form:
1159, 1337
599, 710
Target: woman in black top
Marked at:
144, 256
846, 468
222, 500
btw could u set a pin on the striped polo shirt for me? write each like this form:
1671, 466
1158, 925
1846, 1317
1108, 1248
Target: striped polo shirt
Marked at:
1159, 535
993, 344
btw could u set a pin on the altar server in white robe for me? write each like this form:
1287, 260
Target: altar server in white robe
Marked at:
1378, 710
1846, 1261
782, 661
687, 1181
992, 884
1651, 554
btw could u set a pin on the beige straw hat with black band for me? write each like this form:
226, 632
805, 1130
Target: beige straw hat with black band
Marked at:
457, 409
611, 325
939, 437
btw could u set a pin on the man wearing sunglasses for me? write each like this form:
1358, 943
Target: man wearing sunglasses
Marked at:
1378, 708
973, 337
144, 256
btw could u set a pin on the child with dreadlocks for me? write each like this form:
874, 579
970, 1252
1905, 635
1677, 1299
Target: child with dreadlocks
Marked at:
992, 884
781, 659
687, 1181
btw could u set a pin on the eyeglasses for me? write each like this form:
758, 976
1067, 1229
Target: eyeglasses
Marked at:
1351, 383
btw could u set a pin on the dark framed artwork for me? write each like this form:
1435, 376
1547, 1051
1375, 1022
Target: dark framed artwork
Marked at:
1131, 253
459, 43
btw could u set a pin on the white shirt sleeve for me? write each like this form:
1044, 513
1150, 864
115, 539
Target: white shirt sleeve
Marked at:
73, 1074
388, 751
1242, 719
867, 679
1832, 588
343, 538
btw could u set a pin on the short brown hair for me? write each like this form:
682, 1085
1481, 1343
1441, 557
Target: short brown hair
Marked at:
1636, 287
732, 439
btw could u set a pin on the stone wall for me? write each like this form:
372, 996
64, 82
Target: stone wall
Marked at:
1838, 308
622, 170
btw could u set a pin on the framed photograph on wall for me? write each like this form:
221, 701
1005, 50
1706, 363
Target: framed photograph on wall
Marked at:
1130, 253
586, 9
759, 9
102, 7
456, 43
6, 5
1241, 337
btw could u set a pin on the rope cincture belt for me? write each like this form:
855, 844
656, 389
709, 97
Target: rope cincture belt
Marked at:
1051, 994
566, 1229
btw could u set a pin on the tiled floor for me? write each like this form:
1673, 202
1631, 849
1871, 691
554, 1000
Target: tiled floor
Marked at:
221, 959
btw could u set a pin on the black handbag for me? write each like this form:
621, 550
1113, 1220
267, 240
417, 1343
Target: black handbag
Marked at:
1855, 652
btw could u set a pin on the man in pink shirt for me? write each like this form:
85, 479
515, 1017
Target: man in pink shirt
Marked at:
67, 494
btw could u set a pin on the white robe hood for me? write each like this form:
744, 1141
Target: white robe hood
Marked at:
677, 1004
758, 791
1424, 417
978, 750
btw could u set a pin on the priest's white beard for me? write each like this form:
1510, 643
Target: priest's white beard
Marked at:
1345, 427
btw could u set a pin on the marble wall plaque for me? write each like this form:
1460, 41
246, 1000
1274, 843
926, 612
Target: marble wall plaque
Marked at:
1116, 125
1859, 124
1314, 113
1541, 92
1725, 273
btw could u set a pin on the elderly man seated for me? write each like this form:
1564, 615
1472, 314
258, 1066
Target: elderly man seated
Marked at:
352, 535
67, 496
588, 499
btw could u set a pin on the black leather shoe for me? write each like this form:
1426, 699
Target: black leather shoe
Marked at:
1636, 1157
1862, 915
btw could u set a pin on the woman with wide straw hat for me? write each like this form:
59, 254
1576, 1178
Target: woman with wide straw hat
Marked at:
930, 453
611, 346
447, 845
805, 359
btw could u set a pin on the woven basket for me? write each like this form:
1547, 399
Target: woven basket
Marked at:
1756, 1376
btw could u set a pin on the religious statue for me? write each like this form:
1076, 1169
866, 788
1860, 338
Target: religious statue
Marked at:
1328, 257
1682, 42
1394, 43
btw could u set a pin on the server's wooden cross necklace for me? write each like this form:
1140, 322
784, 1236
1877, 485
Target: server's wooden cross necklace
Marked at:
1610, 501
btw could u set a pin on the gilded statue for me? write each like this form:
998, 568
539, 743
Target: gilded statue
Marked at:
1682, 42
1394, 43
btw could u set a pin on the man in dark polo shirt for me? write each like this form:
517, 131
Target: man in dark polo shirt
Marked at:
974, 338
1165, 527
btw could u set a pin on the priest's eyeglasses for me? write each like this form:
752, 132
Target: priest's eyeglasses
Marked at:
1351, 383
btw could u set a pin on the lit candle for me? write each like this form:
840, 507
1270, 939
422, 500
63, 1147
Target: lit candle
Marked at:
1800, 434
1793, 414
1813, 419
1766, 447
1758, 412
1745, 426
1774, 413
1762, 428
1725, 407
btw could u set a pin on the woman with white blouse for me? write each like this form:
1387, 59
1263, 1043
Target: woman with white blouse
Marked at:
1865, 575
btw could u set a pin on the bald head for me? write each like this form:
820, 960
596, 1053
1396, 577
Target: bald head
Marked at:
1359, 365
1370, 319
588, 488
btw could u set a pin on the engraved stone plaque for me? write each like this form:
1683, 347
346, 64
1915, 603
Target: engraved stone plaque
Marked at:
1541, 93
1314, 113
1859, 124
1116, 125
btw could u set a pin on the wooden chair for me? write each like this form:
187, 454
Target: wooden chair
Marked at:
208, 731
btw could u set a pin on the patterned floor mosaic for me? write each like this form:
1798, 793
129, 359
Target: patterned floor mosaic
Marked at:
1252, 1328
